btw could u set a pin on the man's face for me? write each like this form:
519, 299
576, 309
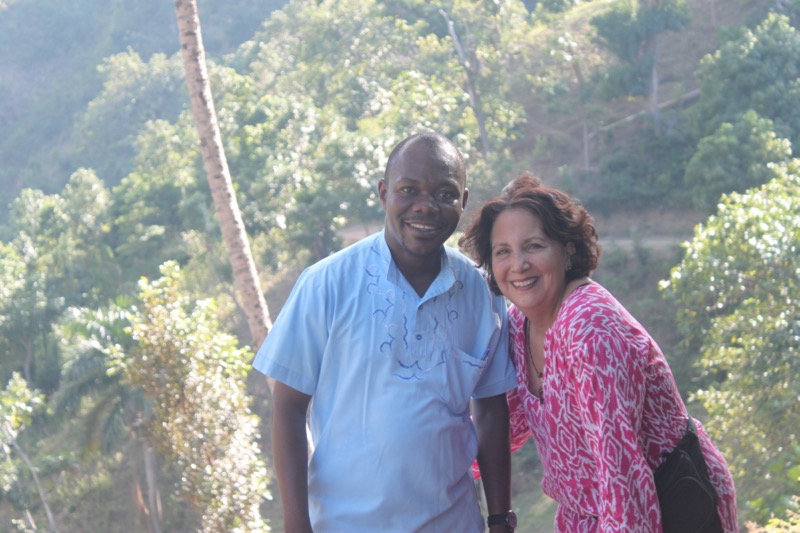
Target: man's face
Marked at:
424, 196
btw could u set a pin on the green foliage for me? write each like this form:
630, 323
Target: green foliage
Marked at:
65, 238
738, 297
760, 70
308, 154
61, 249
734, 158
49, 52
781, 524
647, 172
164, 196
12, 281
554, 6
308, 109
134, 92
18, 404
91, 389
195, 377
629, 31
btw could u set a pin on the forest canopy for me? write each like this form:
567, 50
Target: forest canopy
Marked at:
115, 285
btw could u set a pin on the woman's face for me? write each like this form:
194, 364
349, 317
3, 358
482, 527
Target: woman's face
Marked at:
528, 266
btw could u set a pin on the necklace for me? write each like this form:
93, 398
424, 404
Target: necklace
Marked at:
539, 392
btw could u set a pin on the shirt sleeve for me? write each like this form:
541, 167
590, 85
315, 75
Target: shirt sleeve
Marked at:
293, 350
610, 381
499, 376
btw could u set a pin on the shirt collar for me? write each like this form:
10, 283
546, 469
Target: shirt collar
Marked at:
444, 281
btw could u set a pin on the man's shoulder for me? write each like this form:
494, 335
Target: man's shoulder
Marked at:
465, 269
348, 256
460, 261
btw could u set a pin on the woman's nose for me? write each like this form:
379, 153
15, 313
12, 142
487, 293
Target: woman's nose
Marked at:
519, 262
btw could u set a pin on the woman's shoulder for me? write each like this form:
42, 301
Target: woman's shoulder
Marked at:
592, 312
591, 298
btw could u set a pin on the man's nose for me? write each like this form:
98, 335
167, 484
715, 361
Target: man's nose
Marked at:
425, 202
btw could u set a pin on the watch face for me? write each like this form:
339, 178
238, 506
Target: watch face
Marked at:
508, 519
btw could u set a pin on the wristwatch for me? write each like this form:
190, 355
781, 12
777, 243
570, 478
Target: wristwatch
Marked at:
508, 519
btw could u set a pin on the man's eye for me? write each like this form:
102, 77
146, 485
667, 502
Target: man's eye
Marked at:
448, 196
407, 190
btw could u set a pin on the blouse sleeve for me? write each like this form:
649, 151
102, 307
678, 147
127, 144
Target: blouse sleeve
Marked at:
520, 431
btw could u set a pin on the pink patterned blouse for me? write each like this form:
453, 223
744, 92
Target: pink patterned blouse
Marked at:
610, 409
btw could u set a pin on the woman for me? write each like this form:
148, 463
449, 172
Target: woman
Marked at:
593, 388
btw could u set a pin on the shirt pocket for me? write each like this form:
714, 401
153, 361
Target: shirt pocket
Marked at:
455, 378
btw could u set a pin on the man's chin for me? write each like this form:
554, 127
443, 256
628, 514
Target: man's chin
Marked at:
425, 250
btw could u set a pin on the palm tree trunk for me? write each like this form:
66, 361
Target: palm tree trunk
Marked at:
245, 275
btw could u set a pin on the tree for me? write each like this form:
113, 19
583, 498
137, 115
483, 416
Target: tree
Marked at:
29, 308
134, 92
658, 16
18, 403
12, 281
329, 115
219, 179
61, 245
759, 70
194, 377
738, 292
735, 158
631, 31
94, 389
471, 72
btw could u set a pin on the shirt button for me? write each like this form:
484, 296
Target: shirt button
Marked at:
419, 337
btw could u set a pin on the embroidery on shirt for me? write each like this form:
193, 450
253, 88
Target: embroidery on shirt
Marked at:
452, 314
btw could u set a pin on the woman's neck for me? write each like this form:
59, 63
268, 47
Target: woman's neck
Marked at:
539, 324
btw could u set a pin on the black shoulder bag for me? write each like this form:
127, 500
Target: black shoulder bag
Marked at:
688, 499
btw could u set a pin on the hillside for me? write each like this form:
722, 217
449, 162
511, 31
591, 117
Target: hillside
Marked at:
46, 83
49, 58
93, 111
679, 56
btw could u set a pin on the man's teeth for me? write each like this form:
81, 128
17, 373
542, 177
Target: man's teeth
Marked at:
422, 227
521, 284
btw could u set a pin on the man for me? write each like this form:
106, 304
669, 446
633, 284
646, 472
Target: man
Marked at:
391, 337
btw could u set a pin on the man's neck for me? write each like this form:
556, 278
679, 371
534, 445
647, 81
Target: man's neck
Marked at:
421, 272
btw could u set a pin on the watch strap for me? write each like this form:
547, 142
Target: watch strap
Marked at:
507, 519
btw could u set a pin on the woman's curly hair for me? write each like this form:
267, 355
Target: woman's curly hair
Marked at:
563, 220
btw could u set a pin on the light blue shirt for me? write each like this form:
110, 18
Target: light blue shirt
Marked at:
391, 374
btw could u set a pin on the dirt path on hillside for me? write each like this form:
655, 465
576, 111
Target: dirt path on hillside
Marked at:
658, 230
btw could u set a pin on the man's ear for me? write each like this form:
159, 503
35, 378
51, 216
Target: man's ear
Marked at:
464, 198
382, 189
